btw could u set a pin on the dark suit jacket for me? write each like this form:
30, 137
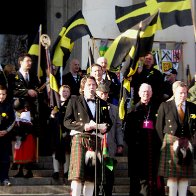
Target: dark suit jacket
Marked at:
168, 120
114, 86
21, 86
78, 114
68, 79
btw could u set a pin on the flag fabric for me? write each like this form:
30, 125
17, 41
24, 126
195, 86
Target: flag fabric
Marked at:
172, 12
90, 60
35, 52
107, 159
54, 90
188, 75
143, 44
75, 28
122, 45
103, 47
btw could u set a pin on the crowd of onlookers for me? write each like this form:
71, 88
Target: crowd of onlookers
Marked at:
85, 131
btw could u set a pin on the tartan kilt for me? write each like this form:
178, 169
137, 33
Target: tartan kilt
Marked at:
77, 168
168, 166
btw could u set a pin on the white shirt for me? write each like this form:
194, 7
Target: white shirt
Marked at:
183, 106
92, 107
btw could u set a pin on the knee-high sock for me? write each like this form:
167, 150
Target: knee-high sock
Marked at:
76, 188
66, 164
172, 187
182, 187
55, 163
88, 188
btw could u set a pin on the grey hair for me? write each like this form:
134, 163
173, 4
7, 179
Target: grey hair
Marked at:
145, 84
177, 84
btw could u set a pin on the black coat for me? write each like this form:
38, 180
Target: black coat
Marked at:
142, 143
68, 79
168, 120
78, 114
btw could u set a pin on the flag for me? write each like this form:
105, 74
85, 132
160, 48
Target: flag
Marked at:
108, 160
143, 44
54, 90
103, 47
188, 75
75, 28
121, 46
35, 52
90, 60
172, 12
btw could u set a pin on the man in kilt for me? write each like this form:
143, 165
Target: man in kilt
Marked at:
176, 125
80, 118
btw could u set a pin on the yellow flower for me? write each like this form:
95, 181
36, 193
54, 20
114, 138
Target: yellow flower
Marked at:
3, 114
16, 77
193, 116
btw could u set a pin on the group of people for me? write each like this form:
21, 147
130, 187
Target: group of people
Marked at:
87, 134
160, 138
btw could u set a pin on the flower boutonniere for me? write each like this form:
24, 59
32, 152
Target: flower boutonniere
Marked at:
4, 114
104, 108
193, 116
16, 77
151, 73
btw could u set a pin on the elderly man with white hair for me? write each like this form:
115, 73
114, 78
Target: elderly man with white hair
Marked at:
112, 77
143, 146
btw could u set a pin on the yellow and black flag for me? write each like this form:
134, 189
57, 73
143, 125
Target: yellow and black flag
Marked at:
35, 52
122, 45
172, 12
75, 28
54, 90
143, 44
90, 60
188, 75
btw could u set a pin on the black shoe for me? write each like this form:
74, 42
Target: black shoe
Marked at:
65, 175
189, 193
19, 175
14, 166
29, 174
55, 175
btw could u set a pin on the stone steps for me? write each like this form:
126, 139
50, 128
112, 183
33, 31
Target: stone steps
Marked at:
42, 184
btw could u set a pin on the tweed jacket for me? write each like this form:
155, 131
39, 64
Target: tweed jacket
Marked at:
168, 120
78, 114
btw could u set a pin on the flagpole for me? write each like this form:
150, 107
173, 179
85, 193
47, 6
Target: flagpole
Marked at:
194, 28
38, 75
39, 54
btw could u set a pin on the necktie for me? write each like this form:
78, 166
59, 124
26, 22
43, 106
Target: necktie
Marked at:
26, 77
180, 112
93, 100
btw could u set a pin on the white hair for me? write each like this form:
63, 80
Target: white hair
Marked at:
145, 85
